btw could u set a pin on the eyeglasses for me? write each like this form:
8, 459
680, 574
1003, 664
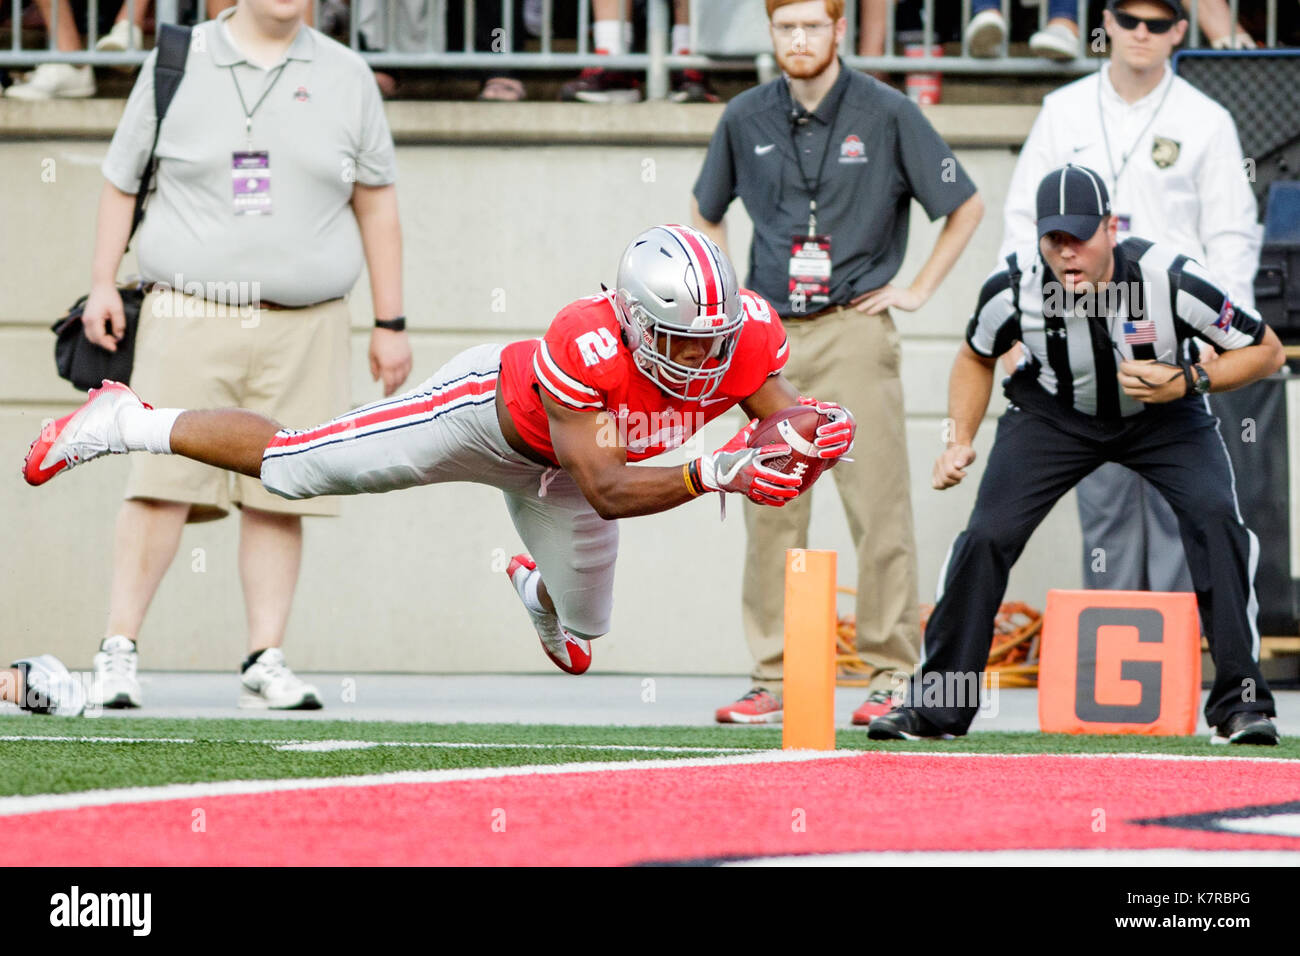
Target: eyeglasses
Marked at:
1127, 21
788, 30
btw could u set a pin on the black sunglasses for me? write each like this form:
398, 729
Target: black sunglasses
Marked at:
1129, 22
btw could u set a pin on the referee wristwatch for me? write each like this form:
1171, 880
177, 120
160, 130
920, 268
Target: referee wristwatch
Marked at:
1198, 382
392, 325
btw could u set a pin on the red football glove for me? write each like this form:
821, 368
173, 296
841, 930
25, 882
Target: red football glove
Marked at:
737, 467
741, 438
835, 438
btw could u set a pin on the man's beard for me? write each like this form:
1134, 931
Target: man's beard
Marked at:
803, 67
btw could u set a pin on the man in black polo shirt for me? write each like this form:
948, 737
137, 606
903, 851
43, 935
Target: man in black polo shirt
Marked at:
827, 162
1104, 327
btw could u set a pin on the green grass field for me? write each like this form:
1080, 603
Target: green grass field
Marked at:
154, 752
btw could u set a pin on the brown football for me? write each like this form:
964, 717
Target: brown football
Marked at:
797, 427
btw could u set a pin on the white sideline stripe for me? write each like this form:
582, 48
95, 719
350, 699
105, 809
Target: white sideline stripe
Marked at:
50, 802
1163, 857
326, 746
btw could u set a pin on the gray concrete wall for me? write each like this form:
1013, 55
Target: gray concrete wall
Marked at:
508, 214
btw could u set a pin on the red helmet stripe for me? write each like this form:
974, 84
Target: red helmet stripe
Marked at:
706, 267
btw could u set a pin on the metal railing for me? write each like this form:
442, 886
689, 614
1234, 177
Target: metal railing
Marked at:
656, 62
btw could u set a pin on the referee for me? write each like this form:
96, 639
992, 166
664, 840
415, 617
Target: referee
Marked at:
1103, 326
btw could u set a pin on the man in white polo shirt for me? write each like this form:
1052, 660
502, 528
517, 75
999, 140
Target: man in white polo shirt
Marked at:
1172, 162
275, 175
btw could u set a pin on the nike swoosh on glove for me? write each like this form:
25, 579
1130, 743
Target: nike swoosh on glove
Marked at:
834, 439
738, 468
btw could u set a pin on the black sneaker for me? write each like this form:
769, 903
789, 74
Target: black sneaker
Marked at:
904, 723
595, 85
692, 86
1246, 727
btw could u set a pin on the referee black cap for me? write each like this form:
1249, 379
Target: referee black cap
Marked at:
1174, 5
1072, 199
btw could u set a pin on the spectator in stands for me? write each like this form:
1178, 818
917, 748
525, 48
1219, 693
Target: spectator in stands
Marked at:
1058, 40
499, 85
612, 36
410, 29
57, 80
1171, 159
248, 302
873, 22
65, 81
126, 34
827, 162
1214, 17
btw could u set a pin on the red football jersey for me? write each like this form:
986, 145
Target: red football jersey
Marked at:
583, 364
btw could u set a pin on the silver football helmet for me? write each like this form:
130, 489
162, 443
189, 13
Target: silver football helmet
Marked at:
674, 284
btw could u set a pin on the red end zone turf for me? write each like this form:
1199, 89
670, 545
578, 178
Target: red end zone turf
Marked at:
875, 801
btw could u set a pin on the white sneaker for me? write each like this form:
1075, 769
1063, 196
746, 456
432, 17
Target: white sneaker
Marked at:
270, 685
985, 33
115, 684
116, 39
1055, 42
55, 81
570, 654
1241, 41
82, 435
48, 688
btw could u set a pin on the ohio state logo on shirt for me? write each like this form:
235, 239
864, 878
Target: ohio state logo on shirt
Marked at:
852, 150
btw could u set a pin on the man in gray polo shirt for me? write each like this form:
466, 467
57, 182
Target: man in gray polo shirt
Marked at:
275, 174
827, 162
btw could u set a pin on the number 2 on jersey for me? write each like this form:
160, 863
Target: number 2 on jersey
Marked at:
597, 345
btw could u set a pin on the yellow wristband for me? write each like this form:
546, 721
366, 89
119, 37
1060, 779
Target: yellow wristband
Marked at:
686, 477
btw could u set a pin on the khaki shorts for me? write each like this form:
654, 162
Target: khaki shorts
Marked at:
290, 365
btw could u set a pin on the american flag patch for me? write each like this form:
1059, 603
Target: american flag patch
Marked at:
1140, 332
1225, 316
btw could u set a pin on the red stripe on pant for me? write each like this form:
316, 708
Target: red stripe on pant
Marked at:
416, 406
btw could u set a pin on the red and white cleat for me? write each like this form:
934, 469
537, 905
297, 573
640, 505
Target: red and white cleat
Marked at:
570, 654
85, 434
757, 707
878, 703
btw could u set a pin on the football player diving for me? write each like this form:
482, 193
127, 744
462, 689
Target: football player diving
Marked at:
555, 423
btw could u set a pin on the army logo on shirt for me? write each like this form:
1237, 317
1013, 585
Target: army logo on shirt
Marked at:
1164, 152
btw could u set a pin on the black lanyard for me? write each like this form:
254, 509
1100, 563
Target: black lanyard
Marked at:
248, 114
813, 185
1125, 157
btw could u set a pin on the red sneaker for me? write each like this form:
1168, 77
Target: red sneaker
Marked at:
80, 436
597, 85
756, 707
570, 654
692, 86
878, 704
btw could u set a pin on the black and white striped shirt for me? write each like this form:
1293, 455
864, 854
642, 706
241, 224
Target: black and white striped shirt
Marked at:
1157, 300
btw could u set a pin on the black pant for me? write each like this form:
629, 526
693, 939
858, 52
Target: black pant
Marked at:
1042, 451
